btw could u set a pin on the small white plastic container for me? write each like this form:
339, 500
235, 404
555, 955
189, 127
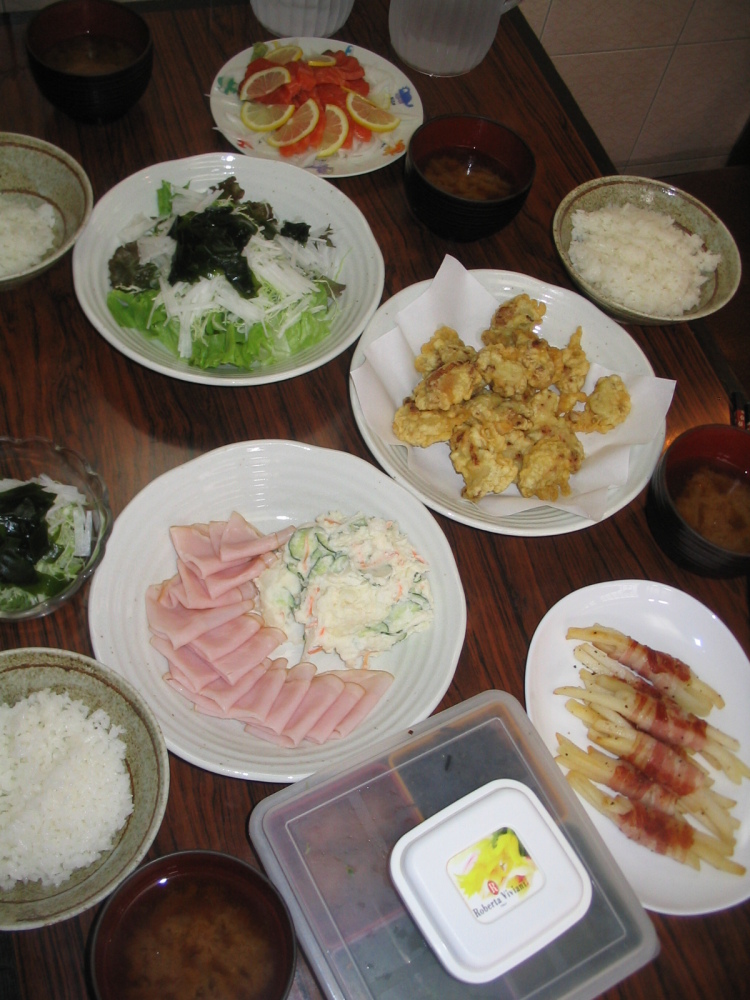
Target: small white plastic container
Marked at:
443, 786
490, 880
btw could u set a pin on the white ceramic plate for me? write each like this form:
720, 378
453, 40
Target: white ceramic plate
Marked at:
387, 84
668, 620
604, 342
293, 195
273, 484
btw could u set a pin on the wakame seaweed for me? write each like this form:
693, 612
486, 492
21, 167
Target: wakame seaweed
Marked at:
24, 538
212, 242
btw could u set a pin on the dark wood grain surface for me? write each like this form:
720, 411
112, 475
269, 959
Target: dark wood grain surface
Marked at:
59, 378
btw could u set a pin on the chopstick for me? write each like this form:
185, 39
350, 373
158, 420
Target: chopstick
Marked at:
740, 411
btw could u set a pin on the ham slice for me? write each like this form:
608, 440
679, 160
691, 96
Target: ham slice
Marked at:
195, 671
256, 648
241, 541
296, 685
375, 683
325, 689
323, 729
217, 642
181, 625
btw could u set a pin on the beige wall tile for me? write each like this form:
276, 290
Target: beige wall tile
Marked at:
717, 20
535, 12
595, 25
614, 90
702, 104
666, 168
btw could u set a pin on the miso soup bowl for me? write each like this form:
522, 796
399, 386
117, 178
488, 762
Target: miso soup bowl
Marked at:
477, 140
93, 88
202, 921
723, 447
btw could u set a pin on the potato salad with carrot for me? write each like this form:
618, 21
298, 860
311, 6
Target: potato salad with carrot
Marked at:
353, 585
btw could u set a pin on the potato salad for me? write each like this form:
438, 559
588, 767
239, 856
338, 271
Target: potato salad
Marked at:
351, 585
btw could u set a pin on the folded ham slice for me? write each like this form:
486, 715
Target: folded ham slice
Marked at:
205, 623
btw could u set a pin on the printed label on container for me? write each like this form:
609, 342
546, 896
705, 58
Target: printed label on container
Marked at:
495, 874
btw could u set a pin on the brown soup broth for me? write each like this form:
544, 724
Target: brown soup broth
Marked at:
193, 938
90, 55
467, 173
714, 499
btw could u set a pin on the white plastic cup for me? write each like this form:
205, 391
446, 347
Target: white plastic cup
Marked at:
444, 37
302, 18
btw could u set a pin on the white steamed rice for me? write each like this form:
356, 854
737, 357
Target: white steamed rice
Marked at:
65, 790
26, 234
640, 259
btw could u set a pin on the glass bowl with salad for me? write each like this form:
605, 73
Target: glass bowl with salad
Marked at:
55, 519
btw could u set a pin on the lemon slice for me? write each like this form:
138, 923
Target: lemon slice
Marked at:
265, 117
366, 113
264, 82
322, 60
302, 123
335, 131
284, 54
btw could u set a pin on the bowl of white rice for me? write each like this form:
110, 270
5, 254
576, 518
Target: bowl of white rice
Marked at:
646, 252
45, 202
83, 785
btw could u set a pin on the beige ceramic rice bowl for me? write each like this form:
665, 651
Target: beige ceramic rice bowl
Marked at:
24, 671
686, 211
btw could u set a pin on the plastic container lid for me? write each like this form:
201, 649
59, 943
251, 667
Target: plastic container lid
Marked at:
490, 880
327, 842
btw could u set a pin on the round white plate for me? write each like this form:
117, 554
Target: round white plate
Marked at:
272, 484
388, 86
669, 620
605, 342
294, 196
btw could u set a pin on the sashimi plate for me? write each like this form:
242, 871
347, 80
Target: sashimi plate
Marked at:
272, 484
671, 621
294, 196
605, 342
388, 87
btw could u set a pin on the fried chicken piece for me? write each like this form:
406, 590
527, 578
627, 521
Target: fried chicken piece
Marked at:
443, 347
606, 407
422, 428
514, 321
573, 365
548, 465
501, 368
478, 453
451, 383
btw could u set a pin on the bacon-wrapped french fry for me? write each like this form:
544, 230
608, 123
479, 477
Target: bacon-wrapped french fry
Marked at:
658, 831
666, 672
621, 776
656, 713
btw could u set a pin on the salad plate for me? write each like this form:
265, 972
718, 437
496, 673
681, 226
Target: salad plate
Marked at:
388, 87
273, 484
294, 196
433, 479
669, 620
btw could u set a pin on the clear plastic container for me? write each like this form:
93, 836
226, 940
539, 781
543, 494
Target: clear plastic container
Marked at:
327, 842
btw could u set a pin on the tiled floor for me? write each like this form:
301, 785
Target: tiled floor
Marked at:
665, 84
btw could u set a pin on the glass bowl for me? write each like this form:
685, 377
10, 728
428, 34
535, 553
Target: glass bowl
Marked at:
22, 460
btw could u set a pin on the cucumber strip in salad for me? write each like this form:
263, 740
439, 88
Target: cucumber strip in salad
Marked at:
45, 540
220, 281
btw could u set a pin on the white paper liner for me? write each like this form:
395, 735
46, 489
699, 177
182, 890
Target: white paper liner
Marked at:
456, 299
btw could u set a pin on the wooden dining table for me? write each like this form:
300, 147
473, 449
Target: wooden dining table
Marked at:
60, 379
